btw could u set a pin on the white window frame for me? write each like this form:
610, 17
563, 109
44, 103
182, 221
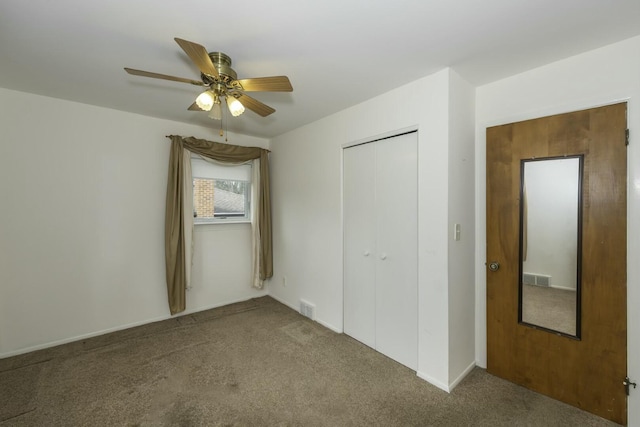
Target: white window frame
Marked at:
209, 169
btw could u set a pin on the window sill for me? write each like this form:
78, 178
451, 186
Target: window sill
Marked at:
226, 221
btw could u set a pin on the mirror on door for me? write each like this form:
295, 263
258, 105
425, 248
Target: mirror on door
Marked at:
550, 243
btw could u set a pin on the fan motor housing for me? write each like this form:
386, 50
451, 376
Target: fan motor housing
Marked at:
222, 62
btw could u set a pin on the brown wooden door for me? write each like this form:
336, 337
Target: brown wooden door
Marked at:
585, 372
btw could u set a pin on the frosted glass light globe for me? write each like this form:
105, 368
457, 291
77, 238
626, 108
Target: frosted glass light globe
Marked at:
205, 100
235, 107
216, 111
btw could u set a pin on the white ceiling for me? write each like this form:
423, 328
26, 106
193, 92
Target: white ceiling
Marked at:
336, 53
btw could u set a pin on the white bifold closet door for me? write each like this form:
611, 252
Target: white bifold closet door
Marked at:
380, 246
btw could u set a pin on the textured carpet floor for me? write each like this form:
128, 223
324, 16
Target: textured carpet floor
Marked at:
551, 308
256, 363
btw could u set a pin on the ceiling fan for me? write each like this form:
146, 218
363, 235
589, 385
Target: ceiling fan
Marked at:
222, 83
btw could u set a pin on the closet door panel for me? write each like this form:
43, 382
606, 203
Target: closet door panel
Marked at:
397, 268
359, 243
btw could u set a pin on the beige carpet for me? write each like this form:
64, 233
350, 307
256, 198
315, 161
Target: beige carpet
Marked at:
550, 308
256, 363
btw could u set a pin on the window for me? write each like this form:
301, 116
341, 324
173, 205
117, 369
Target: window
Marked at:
221, 193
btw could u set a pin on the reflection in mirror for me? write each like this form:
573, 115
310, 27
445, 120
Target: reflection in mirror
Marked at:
550, 236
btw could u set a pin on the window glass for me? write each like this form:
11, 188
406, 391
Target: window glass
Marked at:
220, 193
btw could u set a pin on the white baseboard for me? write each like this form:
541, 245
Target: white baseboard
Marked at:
260, 294
330, 326
452, 385
564, 288
282, 301
431, 380
464, 373
122, 327
297, 310
80, 337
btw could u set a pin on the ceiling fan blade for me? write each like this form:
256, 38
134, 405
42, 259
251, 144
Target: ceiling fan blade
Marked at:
199, 56
255, 105
194, 107
162, 76
266, 84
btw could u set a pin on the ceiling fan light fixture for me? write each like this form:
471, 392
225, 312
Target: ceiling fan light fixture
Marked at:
216, 111
220, 83
205, 100
235, 107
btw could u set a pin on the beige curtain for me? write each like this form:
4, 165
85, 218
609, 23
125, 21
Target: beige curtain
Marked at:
173, 232
187, 208
175, 250
255, 225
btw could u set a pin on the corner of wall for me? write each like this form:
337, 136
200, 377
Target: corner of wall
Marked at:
461, 227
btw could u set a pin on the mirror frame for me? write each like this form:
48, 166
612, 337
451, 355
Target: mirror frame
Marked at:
523, 162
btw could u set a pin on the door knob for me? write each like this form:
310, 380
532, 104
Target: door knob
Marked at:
366, 253
494, 266
383, 257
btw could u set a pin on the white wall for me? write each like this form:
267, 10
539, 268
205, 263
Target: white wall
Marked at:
307, 188
82, 190
595, 78
552, 220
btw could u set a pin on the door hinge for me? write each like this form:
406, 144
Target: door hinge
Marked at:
626, 383
626, 137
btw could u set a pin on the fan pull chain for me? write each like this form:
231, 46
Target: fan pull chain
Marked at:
221, 119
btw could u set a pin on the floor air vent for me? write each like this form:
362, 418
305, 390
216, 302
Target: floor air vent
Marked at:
536, 279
